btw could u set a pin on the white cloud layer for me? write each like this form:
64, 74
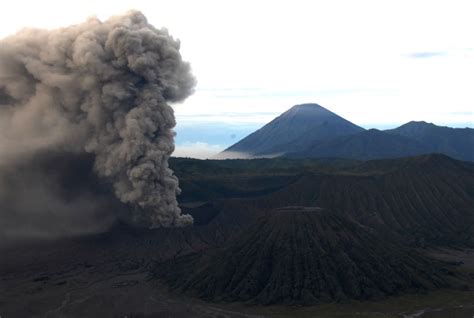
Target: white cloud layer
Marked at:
377, 63
198, 150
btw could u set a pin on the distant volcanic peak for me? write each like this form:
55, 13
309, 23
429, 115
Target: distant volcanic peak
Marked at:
295, 130
420, 122
418, 125
424, 127
454, 142
312, 131
314, 111
308, 107
315, 116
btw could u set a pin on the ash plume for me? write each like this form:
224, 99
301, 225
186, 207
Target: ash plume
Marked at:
102, 89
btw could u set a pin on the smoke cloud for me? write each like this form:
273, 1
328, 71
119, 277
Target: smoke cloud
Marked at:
101, 89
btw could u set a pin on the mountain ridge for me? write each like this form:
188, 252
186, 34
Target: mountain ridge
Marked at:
455, 142
312, 131
366, 145
272, 231
314, 122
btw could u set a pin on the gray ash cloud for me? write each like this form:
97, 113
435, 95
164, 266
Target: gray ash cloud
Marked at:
98, 88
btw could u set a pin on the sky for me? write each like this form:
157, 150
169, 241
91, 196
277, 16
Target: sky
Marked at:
378, 63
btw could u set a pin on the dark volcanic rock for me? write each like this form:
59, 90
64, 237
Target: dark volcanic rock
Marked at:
426, 199
300, 255
266, 231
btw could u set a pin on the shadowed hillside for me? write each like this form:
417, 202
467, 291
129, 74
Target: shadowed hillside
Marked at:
427, 199
332, 234
298, 255
455, 142
366, 145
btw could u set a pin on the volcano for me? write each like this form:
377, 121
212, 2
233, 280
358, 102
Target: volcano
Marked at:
294, 130
312, 131
302, 255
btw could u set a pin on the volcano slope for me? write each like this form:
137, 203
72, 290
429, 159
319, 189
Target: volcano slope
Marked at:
351, 237
300, 255
420, 200
426, 199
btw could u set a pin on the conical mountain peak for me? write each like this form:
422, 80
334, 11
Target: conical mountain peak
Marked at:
296, 129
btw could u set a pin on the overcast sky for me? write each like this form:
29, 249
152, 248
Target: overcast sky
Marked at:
376, 63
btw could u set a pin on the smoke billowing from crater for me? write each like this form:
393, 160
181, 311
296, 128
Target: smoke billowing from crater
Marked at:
97, 88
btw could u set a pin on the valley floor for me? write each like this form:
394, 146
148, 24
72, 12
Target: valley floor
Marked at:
100, 290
